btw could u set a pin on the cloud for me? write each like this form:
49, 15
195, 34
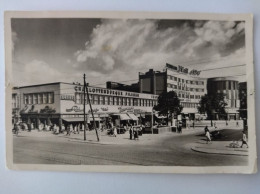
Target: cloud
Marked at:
129, 46
38, 72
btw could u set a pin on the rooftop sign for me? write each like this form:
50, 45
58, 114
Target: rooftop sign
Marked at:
182, 69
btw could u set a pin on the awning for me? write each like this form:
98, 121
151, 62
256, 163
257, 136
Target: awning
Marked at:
132, 116
76, 119
123, 116
79, 119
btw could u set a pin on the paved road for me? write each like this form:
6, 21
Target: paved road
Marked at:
169, 151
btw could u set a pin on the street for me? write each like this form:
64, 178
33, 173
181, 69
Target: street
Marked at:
170, 150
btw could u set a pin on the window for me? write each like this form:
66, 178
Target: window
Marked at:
50, 98
115, 101
106, 100
95, 99
101, 100
131, 102
119, 102
40, 98
25, 98
91, 99
45, 98
128, 101
78, 98
192, 96
111, 100
125, 101
35, 99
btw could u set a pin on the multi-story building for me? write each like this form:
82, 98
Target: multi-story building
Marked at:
63, 103
187, 84
229, 87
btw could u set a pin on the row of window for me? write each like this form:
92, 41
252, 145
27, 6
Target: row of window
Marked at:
15, 101
39, 98
114, 100
189, 96
185, 88
185, 81
189, 105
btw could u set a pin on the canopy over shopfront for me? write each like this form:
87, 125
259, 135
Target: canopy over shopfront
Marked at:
123, 117
80, 119
132, 116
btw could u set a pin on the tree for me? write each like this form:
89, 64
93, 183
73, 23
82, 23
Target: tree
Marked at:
211, 104
168, 103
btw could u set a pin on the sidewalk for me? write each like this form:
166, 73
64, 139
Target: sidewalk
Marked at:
218, 147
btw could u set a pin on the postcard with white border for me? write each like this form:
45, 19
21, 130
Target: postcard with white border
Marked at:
134, 92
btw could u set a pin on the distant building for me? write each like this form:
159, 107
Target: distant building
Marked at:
119, 86
187, 84
152, 82
229, 87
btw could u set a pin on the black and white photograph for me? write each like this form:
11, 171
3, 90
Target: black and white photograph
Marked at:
130, 92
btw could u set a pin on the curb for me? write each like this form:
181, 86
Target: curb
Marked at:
219, 151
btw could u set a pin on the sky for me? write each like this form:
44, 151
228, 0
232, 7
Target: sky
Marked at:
62, 50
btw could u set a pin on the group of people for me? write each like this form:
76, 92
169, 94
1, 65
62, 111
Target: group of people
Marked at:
135, 131
208, 136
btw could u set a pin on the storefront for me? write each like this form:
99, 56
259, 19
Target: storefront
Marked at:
62, 104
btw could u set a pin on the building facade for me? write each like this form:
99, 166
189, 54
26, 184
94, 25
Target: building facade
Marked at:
187, 84
61, 103
229, 86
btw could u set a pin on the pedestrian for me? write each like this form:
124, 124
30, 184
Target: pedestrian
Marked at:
206, 129
237, 124
215, 125
135, 134
115, 131
244, 139
193, 124
68, 130
180, 127
208, 136
131, 132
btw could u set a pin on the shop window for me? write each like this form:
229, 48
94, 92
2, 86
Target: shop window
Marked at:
111, 100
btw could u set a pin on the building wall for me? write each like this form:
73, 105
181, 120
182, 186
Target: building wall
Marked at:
33, 99
228, 86
189, 89
104, 100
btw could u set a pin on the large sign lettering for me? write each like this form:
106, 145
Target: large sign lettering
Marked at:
182, 69
75, 109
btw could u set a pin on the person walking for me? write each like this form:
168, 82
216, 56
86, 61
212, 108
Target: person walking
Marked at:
115, 131
180, 127
244, 139
131, 132
206, 129
208, 136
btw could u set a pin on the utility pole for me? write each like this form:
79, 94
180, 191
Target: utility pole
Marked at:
84, 106
86, 88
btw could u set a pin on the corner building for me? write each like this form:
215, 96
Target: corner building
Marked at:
60, 103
